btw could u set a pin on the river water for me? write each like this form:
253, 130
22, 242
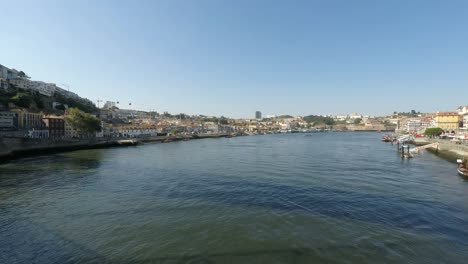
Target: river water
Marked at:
328, 197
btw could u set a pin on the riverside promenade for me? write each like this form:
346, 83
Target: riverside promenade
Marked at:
17, 147
446, 148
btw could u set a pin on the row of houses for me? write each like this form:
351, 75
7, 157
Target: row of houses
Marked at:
451, 122
35, 125
11, 77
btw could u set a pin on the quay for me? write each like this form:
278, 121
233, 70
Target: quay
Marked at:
444, 148
17, 147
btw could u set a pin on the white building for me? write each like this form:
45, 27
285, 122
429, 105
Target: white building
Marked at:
413, 125
20, 83
211, 127
10, 76
355, 116
7, 73
3, 72
465, 121
138, 132
47, 89
341, 117
462, 110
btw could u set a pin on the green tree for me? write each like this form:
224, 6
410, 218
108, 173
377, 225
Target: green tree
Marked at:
83, 123
174, 131
329, 121
38, 100
357, 121
81, 103
60, 107
317, 120
22, 100
432, 132
223, 120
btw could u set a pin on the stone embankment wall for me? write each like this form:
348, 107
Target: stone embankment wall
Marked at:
445, 147
15, 146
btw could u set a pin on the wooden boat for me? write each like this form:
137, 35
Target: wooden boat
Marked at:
462, 171
462, 168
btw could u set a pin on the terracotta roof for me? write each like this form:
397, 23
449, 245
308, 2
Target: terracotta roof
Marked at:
447, 113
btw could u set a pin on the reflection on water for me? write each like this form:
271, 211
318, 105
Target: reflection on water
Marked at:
333, 198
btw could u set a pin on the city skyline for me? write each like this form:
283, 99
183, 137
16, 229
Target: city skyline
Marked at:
232, 59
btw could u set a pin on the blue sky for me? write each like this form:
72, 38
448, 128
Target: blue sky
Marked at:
234, 57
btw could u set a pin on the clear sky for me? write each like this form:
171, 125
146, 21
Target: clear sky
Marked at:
233, 57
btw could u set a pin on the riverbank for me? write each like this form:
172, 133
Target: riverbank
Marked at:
445, 149
16, 147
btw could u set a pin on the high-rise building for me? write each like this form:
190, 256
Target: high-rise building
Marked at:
258, 115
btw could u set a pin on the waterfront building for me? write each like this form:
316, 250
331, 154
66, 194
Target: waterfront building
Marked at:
427, 122
55, 125
210, 127
135, 132
38, 133
27, 120
8, 121
448, 121
258, 115
465, 121
69, 131
413, 125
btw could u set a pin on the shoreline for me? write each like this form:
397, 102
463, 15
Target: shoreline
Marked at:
446, 150
21, 147
16, 148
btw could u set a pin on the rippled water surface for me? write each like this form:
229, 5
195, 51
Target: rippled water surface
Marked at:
330, 197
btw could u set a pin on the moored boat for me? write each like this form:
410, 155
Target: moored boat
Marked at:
387, 138
462, 168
